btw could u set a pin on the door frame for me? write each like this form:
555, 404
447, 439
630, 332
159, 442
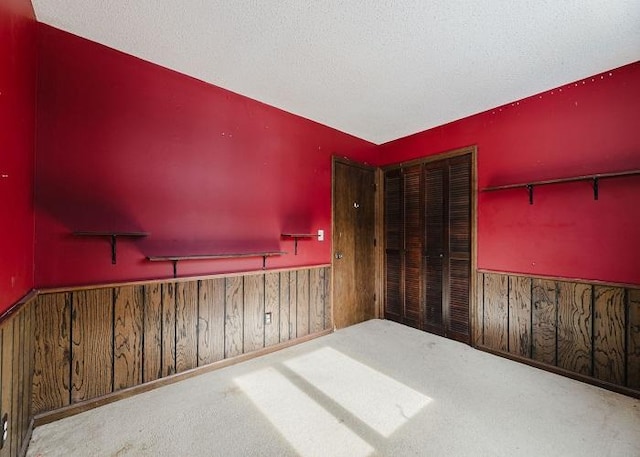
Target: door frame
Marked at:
378, 248
473, 280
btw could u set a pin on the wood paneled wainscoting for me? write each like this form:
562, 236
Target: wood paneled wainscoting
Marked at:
96, 344
16, 366
586, 330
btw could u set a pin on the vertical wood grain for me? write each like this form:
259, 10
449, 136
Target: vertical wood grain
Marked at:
495, 311
127, 342
633, 337
609, 334
520, 316
285, 309
302, 320
574, 327
92, 344
544, 316
328, 293
272, 305
253, 312
152, 351
234, 312
7, 380
293, 304
211, 321
478, 326
168, 329
186, 325
18, 385
52, 336
316, 301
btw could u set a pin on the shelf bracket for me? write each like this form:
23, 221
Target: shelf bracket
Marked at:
595, 188
530, 189
175, 267
295, 246
264, 262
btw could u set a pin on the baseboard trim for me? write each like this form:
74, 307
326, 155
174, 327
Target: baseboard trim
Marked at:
26, 440
72, 410
561, 371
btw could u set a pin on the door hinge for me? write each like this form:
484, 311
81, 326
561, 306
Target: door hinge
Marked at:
375, 297
375, 187
375, 242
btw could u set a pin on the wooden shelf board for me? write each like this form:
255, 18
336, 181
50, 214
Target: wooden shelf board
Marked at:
172, 258
598, 176
114, 233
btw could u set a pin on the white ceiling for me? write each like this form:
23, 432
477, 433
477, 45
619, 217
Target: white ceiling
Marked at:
377, 69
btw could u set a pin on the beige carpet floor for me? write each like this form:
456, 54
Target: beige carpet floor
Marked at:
374, 389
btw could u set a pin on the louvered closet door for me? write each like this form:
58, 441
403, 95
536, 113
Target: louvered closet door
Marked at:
458, 268
394, 233
435, 177
448, 247
413, 245
404, 245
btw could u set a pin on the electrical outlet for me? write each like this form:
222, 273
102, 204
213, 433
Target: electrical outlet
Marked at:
320, 235
267, 318
5, 429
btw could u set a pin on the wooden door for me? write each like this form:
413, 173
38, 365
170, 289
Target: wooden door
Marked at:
428, 246
403, 195
447, 275
354, 266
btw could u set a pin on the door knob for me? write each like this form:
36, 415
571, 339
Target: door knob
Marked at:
339, 255
441, 255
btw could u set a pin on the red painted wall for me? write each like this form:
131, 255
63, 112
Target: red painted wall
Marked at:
590, 126
17, 134
127, 145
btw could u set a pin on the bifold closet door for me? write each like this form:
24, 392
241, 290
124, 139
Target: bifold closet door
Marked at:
428, 246
447, 276
403, 245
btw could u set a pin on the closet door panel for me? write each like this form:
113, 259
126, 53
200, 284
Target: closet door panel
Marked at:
413, 242
458, 282
434, 252
393, 231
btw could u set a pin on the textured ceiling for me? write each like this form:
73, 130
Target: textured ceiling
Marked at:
377, 69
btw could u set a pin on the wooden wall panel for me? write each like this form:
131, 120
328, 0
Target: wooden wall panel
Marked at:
293, 304
92, 344
478, 325
6, 405
609, 334
168, 329
89, 343
520, 316
302, 321
253, 312
575, 327
285, 308
127, 347
52, 339
496, 311
544, 321
234, 315
316, 300
152, 334
328, 305
186, 325
211, 321
18, 383
633, 338
272, 305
